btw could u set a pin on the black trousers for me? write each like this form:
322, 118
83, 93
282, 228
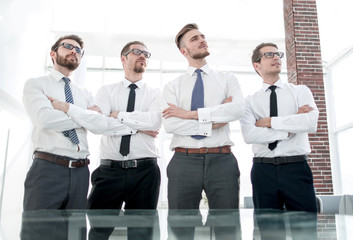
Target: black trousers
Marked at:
137, 187
286, 186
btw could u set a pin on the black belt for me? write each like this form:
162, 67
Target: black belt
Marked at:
281, 160
62, 160
128, 163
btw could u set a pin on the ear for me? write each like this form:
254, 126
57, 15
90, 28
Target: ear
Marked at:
183, 51
256, 65
53, 55
123, 59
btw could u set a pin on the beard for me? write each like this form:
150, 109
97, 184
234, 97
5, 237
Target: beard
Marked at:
139, 68
65, 62
198, 55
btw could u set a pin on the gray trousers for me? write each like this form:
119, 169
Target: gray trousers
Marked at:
216, 174
52, 186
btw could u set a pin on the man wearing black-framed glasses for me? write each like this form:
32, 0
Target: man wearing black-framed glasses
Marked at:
277, 121
59, 176
60, 144
131, 119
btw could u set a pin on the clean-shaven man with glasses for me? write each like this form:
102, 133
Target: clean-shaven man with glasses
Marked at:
277, 121
59, 175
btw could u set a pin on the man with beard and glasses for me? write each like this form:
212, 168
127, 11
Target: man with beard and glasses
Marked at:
199, 105
59, 175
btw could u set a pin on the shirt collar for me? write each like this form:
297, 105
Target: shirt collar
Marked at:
57, 75
205, 68
127, 83
279, 84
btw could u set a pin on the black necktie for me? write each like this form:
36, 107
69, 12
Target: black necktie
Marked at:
197, 98
125, 140
71, 134
273, 111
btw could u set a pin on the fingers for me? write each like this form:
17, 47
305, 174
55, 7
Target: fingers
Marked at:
228, 100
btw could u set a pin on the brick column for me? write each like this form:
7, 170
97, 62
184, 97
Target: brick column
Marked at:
304, 67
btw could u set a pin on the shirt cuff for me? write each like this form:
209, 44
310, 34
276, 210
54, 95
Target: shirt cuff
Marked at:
121, 117
205, 129
74, 111
204, 115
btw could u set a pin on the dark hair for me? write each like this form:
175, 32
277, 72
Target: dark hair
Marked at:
126, 48
256, 54
72, 37
185, 29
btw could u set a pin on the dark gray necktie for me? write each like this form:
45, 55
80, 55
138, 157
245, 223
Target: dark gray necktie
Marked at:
125, 140
273, 111
197, 99
68, 95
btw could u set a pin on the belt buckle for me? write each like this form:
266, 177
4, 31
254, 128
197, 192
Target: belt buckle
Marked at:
203, 150
276, 161
70, 164
129, 164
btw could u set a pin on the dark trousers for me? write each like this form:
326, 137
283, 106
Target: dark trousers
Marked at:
189, 174
137, 187
285, 186
52, 186
53, 225
280, 225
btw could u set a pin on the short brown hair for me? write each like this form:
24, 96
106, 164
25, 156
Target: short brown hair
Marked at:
72, 37
256, 55
126, 48
185, 29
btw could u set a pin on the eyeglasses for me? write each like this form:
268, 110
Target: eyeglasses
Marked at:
69, 46
138, 52
271, 55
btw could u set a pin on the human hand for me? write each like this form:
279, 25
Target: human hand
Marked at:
114, 114
218, 125
264, 122
95, 108
58, 105
150, 133
305, 109
174, 111
228, 100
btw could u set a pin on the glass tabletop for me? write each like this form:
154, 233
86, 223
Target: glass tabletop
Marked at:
174, 224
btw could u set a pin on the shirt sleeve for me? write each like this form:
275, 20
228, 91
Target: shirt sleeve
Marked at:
298, 123
98, 123
227, 112
147, 121
257, 135
180, 126
40, 110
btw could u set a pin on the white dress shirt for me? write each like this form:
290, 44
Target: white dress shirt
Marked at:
48, 123
218, 86
146, 116
290, 128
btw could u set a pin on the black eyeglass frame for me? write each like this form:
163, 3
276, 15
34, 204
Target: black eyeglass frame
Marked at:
69, 46
138, 52
271, 55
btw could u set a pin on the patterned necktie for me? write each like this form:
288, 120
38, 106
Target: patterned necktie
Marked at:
125, 140
197, 99
273, 111
68, 95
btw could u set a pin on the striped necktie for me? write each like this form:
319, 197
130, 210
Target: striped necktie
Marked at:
68, 95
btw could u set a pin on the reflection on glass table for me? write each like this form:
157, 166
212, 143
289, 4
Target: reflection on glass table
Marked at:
180, 224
